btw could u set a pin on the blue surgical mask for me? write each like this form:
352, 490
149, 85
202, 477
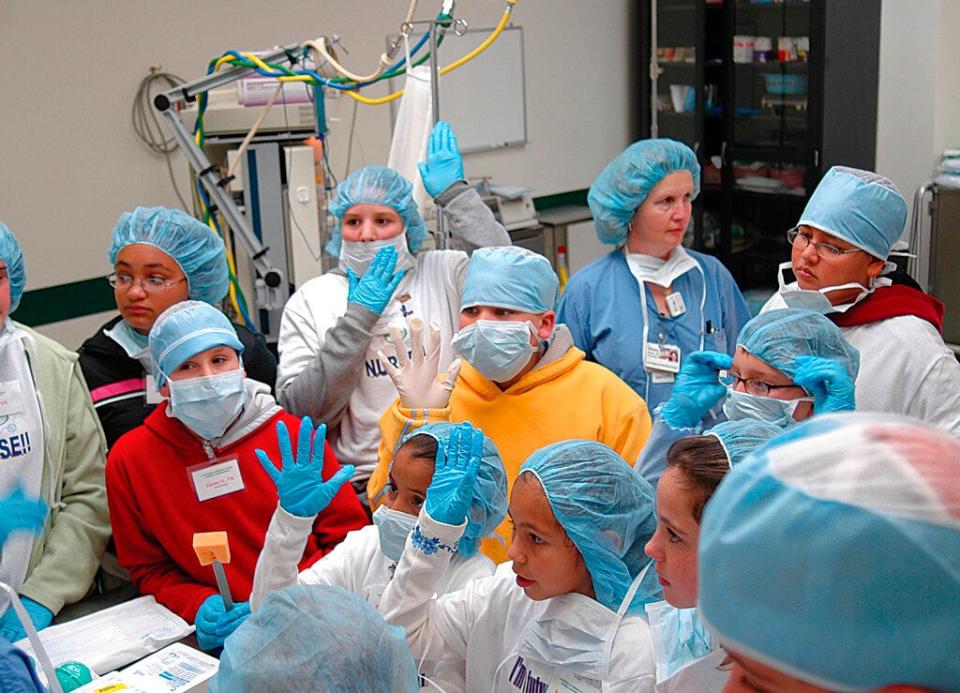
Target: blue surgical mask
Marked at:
743, 405
816, 300
209, 404
499, 349
678, 636
394, 528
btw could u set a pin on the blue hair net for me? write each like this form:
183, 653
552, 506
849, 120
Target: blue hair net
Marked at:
510, 277
833, 554
489, 504
740, 438
12, 257
627, 180
608, 512
377, 185
315, 638
860, 207
778, 337
184, 330
193, 245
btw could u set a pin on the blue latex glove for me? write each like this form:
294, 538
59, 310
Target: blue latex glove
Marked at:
444, 164
455, 475
374, 289
828, 382
17, 512
697, 389
299, 482
214, 623
13, 630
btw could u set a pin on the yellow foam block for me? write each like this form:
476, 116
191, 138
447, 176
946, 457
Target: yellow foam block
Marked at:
210, 546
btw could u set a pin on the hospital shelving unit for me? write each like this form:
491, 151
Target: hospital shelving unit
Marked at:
770, 95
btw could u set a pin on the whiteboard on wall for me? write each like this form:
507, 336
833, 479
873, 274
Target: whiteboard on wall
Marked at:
484, 100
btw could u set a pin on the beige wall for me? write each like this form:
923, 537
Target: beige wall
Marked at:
71, 163
919, 90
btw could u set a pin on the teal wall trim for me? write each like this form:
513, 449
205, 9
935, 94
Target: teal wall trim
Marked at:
65, 302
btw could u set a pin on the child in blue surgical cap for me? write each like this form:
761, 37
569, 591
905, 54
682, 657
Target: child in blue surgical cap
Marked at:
366, 560
160, 257
334, 326
191, 467
567, 612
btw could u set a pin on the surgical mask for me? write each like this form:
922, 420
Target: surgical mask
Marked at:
207, 405
678, 636
649, 268
577, 632
357, 255
394, 528
498, 349
743, 405
816, 300
131, 341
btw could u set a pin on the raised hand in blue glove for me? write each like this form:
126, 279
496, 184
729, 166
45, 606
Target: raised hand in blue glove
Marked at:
13, 630
828, 382
444, 164
697, 389
214, 622
455, 475
18, 512
299, 481
375, 288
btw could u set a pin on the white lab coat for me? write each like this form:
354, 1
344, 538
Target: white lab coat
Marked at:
357, 565
482, 625
905, 368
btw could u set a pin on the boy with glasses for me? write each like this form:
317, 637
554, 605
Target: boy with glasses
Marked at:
840, 259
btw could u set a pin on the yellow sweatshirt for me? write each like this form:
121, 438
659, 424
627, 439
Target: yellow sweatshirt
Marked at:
567, 398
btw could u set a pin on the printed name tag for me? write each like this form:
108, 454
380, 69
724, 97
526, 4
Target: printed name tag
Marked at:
216, 478
11, 398
659, 377
152, 395
662, 357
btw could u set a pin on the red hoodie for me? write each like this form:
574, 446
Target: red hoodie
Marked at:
155, 511
891, 302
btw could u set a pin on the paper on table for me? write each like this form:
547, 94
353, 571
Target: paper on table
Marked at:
175, 669
111, 638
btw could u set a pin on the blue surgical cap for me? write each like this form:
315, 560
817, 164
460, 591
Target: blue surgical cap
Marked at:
740, 438
607, 511
377, 185
12, 257
196, 248
627, 180
510, 277
860, 207
184, 330
489, 503
315, 638
778, 337
832, 554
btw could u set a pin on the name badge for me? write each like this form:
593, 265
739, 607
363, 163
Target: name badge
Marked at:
11, 398
152, 392
675, 304
659, 377
661, 357
215, 479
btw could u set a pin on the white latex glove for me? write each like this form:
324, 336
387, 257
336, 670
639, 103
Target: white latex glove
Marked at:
418, 380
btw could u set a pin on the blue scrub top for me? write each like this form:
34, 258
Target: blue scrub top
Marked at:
601, 307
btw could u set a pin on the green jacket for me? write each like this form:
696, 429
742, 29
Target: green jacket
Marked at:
66, 555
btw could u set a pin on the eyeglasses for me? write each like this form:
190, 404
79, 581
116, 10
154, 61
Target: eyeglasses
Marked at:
800, 240
150, 285
753, 387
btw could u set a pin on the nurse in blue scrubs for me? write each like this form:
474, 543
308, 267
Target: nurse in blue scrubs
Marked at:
649, 303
